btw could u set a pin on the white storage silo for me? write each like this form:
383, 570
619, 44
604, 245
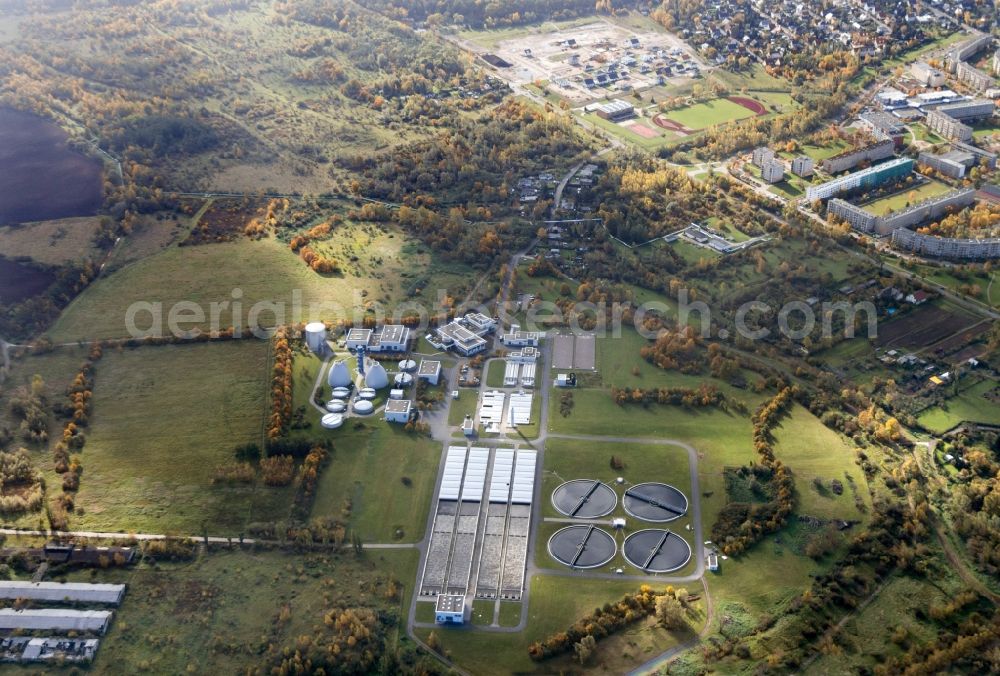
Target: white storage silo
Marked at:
376, 377
316, 337
340, 375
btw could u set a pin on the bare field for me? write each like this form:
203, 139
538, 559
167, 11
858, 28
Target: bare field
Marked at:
924, 326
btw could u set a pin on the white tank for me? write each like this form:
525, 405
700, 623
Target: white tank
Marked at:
376, 377
407, 365
363, 407
335, 406
316, 337
341, 393
367, 393
403, 379
339, 376
332, 421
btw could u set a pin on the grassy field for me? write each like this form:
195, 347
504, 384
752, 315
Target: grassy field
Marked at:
756, 78
491, 38
970, 405
990, 294
244, 271
218, 614
385, 474
163, 419
555, 603
51, 242
495, 374
901, 200
708, 113
814, 451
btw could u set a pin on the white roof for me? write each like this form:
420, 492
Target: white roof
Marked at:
55, 619
524, 477
56, 591
503, 469
519, 411
492, 407
475, 474
454, 465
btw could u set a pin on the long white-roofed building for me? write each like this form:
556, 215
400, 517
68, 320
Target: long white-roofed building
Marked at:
74, 592
55, 619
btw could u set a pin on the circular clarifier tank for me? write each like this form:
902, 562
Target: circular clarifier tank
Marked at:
655, 550
363, 407
584, 498
655, 502
332, 421
341, 393
582, 546
335, 406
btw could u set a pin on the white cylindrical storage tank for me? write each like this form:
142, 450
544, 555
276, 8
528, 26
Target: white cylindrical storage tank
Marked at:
367, 393
339, 376
403, 379
407, 365
332, 421
341, 393
363, 407
335, 406
376, 377
316, 337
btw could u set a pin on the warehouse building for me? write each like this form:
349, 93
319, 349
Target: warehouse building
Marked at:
893, 170
55, 619
78, 592
616, 111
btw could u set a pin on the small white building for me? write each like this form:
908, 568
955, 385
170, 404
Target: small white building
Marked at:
358, 338
522, 338
392, 338
429, 370
396, 394
398, 410
450, 609
469, 426
526, 355
565, 380
479, 322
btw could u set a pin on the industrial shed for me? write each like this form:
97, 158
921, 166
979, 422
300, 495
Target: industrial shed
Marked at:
71, 591
55, 619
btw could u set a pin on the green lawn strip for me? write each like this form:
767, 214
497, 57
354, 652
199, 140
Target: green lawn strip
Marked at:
495, 374
510, 614
386, 475
482, 612
971, 405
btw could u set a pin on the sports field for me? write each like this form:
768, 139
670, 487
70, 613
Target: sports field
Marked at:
714, 112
